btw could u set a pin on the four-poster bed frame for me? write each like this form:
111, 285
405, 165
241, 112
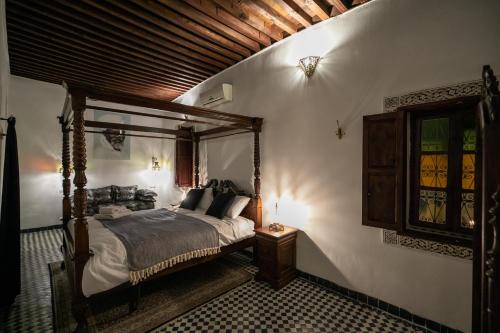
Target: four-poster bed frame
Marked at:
76, 249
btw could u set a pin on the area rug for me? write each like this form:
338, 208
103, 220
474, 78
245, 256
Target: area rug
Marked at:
161, 300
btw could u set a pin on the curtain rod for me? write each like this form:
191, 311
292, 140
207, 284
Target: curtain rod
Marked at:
223, 136
141, 136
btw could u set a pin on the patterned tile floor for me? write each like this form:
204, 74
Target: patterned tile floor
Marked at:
253, 307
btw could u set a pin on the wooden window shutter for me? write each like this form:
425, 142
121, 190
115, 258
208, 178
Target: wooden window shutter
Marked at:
383, 170
184, 163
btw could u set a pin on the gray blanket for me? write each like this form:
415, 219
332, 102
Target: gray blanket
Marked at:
157, 239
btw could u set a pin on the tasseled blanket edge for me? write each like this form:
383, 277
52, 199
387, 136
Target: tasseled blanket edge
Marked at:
138, 276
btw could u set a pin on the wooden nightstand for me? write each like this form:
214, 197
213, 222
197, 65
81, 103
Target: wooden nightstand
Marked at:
276, 256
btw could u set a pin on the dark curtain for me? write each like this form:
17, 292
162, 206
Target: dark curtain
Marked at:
10, 252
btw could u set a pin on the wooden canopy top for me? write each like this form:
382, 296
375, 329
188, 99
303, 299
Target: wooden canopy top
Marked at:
79, 95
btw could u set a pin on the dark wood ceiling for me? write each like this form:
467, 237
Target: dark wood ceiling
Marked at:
154, 48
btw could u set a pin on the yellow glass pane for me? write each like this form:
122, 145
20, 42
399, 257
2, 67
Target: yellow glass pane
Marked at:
434, 170
468, 170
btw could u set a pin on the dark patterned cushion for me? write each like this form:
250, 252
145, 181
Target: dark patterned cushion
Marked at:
221, 204
100, 195
143, 198
146, 193
192, 199
125, 193
138, 205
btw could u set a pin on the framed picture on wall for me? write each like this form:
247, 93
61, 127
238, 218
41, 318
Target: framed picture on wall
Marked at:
112, 144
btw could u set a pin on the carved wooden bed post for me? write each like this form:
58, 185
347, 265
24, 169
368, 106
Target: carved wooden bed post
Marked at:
257, 127
487, 320
81, 239
196, 142
493, 268
66, 162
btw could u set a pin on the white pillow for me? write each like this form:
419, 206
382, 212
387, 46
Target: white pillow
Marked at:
239, 203
206, 199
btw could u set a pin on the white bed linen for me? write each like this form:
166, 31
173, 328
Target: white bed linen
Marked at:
108, 267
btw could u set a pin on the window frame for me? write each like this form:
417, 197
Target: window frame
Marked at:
451, 108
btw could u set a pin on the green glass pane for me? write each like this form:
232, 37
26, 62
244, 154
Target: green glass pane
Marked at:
467, 211
432, 207
469, 125
435, 134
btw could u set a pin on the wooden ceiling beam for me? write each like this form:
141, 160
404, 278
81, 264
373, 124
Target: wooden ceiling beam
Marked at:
106, 44
93, 36
212, 24
261, 8
53, 78
153, 19
156, 35
235, 8
297, 12
190, 25
315, 6
103, 22
77, 62
58, 76
338, 5
220, 14
40, 46
83, 48
69, 70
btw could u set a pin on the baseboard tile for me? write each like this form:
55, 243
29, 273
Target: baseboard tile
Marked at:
48, 227
427, 324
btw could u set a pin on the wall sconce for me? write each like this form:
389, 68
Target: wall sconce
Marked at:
155, 164
308, 65
339, 132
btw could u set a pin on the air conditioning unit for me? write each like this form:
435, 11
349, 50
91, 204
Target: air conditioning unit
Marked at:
217, 96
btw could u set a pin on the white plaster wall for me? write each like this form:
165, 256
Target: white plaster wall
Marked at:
384, 48
4, 61
4, 83
36, 106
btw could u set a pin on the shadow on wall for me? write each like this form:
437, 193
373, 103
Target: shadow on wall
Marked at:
307, 245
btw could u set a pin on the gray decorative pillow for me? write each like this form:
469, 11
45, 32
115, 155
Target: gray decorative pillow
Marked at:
143, 198
125, 193
137, 205
146, 193
100, 195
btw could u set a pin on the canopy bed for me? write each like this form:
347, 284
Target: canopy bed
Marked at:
83, 234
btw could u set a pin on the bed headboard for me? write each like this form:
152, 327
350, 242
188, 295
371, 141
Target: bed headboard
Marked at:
252, 211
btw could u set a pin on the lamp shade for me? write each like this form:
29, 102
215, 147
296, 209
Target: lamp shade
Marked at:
308, 64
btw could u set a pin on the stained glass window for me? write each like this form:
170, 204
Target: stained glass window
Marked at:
469, 139
444, 186
434, 170
432, 206
435, 135
467, 211
468, 166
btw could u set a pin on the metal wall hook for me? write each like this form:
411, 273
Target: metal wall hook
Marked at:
339, 132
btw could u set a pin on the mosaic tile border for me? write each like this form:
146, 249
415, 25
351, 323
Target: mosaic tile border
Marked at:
470, 88
415, 320
390, 237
